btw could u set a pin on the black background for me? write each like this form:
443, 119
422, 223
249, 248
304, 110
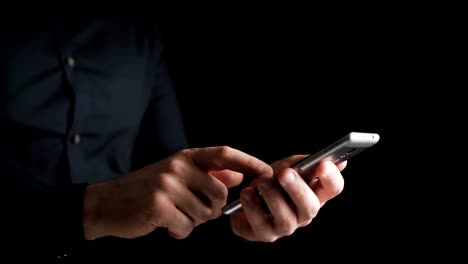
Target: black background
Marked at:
280, 79
287, 78
276, 80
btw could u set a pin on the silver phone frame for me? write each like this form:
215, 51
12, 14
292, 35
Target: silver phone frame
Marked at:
342, 149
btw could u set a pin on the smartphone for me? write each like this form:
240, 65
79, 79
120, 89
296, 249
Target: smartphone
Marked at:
342, 149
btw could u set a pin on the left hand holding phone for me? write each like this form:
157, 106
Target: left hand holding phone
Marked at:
286, 214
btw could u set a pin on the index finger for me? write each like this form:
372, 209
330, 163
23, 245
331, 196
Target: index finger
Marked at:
223, 157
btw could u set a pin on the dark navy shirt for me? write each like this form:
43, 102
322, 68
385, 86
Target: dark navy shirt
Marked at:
82, 100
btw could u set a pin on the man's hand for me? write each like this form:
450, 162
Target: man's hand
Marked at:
286, 215
177, 193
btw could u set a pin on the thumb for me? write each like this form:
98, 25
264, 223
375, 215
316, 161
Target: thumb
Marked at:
230, 178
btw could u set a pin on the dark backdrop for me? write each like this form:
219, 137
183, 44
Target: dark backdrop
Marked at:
280, 80
276, 80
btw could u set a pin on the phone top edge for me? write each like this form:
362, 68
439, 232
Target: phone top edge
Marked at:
358, 140
362, 139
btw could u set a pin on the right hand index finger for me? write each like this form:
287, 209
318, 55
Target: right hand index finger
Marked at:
223, 157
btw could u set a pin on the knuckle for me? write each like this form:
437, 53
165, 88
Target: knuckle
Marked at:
335, 188
339, 189
188, 227
204, 214
313, 209
220, 192
159, 201
185, 231
175, 164
215, 212
285, 226
265, 234
181, 228
167, 183
305, 222
183, 152
224, 152
270, 238
309, 215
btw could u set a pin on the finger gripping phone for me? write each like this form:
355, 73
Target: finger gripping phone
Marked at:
342, 149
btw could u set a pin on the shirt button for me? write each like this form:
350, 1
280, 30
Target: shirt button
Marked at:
62, 258
76, 138
70, 62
